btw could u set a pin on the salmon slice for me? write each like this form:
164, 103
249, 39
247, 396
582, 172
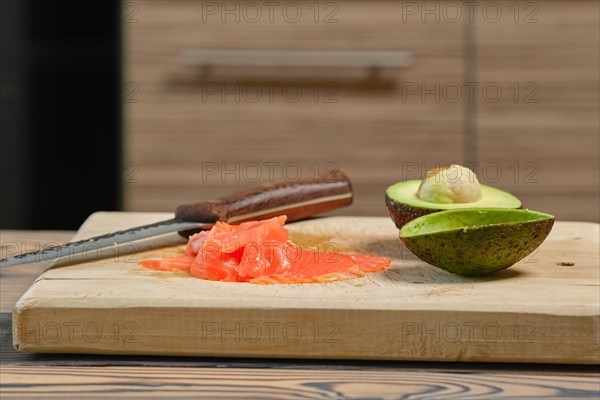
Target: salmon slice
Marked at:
259, 252
371, 263
195, 242
177, 263
231, 237
353, 272
212, 264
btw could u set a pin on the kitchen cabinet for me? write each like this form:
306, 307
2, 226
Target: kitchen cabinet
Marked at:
194, 132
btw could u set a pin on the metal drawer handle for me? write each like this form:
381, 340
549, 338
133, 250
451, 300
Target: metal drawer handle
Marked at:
275, 58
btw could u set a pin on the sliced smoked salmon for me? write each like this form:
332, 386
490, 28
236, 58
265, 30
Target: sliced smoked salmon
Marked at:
177, 263
259, 252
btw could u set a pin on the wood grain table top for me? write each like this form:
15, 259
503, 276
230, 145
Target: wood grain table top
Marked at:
32, 375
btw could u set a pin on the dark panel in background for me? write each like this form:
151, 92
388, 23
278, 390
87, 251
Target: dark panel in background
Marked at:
61, 112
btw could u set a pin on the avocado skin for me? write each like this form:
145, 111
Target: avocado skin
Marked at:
402, 213
482, 250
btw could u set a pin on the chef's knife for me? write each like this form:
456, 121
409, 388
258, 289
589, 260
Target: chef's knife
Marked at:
297, 199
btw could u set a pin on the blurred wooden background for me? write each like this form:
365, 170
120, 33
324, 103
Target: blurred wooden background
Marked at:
192, 134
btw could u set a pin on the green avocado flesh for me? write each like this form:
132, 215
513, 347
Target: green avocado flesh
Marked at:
474, 242
406, 192
404, 205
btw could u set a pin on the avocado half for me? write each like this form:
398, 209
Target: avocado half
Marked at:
474, 242
404, 205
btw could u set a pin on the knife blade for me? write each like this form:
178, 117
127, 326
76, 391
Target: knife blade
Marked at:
297, 199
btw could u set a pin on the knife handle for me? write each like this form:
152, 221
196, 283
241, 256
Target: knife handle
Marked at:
297, 199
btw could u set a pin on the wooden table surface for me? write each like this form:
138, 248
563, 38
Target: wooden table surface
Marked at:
30, 375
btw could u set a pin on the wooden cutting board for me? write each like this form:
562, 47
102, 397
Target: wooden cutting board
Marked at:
545, 309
